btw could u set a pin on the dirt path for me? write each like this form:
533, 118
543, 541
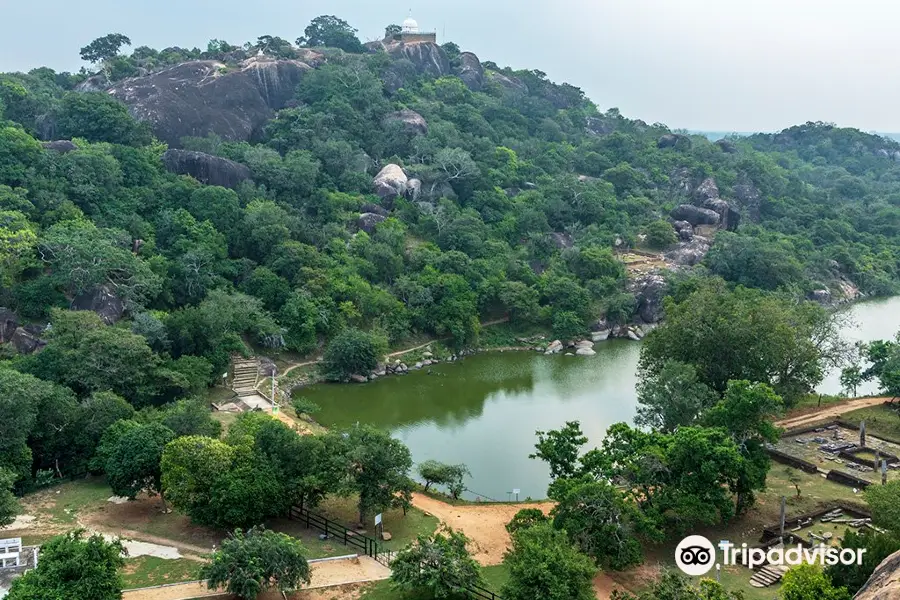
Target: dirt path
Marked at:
485, 525
829, 411
298, 365
397, 353
324, 574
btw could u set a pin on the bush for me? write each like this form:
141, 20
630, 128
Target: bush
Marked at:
352, 352
660, 234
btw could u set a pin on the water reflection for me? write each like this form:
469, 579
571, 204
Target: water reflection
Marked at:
484, 410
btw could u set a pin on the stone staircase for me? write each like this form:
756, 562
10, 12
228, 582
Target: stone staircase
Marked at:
768, 575
244, 376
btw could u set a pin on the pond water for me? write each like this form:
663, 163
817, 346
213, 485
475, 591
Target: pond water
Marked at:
484, 410
868, 321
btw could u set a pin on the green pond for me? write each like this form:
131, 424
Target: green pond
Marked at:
483, 411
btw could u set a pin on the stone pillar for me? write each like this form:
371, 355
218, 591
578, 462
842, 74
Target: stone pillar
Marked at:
862, 434
883, 472
877, 459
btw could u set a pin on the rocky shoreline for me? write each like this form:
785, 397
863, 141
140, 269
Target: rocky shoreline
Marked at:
581, 347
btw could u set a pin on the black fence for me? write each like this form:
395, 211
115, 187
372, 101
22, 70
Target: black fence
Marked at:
368, 546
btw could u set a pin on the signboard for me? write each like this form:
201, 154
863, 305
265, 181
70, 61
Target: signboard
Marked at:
377, 519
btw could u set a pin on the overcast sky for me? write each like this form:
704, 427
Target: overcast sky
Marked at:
717, 65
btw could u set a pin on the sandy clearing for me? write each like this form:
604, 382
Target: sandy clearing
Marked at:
830, 411
20, 522
326, 574
484, 524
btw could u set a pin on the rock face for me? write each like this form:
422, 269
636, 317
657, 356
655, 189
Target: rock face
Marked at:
729, 217
205, 168
94, 83
562, 240
748, 196
26, 342
9, 322
61, 146
410, 120
649, 290
102, 301
684, 230
706, 191
688, 254
884, 584
205, 97
696, 215
674, 140
373, 208
470, 71
727, 146
427, 58
707, 196
390, 182
367, 221
512, 84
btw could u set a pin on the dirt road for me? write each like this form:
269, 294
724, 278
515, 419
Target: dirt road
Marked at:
829, 412
324, 574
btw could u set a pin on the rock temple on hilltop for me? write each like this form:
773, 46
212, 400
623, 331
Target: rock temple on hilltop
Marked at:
410, 33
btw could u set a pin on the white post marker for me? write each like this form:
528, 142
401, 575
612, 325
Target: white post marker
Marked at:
378, 521
274, 400
516, 492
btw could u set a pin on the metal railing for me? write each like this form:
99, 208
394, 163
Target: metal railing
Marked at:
369, 546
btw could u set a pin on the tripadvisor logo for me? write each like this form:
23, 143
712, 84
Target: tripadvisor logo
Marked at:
695, 555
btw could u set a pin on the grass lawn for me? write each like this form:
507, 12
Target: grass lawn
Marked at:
403, 529
63, 503
145, 571
315, 547
880, 420
507, 334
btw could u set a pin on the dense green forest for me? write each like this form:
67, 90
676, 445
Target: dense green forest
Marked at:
525, 194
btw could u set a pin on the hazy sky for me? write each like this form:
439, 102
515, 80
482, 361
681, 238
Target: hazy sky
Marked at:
730, 65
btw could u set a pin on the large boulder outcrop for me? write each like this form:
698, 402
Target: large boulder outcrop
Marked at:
688, 254
470, 71
727, 146
507, 82
368, 221
428, 58
205, 168
884, 584
204, 97
674, 140
61, 146
748, 196
695, 215
684, 230
9, 322
707, 190
390, 182
409, 120
649, 290
729, 216
26, 341
103, 301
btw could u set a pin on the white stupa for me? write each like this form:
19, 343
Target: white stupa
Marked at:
410, 25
